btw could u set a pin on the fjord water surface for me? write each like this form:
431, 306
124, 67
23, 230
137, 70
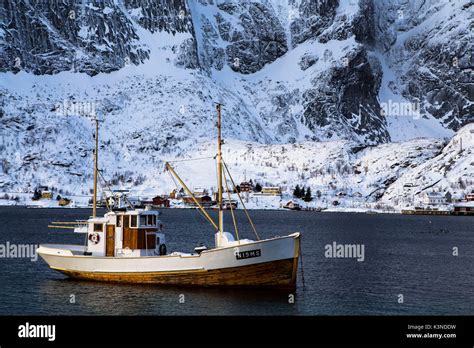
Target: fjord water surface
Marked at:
404, 255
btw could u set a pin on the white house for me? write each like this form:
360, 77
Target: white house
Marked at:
434, 198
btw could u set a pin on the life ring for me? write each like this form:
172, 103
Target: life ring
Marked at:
94, 238
162, 249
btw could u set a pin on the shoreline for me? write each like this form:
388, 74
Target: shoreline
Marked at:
368, 211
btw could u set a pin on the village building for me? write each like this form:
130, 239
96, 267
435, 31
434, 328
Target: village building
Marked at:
160, 202
464, 208
135, 202
271, 191
434, 198
292, 206
245, 186
198, 191
469, 197
46, 195
203, 200
228, 204
64, 202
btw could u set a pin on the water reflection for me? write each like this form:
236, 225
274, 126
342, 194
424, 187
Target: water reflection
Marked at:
97, 298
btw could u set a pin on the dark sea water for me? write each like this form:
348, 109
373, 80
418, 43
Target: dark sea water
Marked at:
408, 255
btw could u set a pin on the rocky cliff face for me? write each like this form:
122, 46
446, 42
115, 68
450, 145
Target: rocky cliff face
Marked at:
46, 37
429, 45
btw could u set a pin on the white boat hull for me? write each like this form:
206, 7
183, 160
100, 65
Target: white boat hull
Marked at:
265, 263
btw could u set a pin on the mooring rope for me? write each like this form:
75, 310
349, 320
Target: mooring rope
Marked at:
302, 270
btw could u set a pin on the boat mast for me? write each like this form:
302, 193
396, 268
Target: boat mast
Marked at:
219, 172
96, 155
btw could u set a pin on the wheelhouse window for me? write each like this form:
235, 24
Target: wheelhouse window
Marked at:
98, 228
119, 221
133, 221
142, 220
150, 220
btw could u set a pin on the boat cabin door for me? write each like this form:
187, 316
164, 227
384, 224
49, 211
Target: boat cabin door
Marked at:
110, 241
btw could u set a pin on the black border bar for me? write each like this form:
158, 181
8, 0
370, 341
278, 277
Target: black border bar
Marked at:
242, 330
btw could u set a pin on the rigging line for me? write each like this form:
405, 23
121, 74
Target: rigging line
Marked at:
112, 192
174, 181
177, 191
101, 176
231, 209
106, 200
241, 201
208, 218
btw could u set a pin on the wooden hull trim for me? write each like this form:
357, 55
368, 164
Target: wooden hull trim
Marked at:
274, 274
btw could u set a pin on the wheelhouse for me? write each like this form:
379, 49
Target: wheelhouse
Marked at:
125, 233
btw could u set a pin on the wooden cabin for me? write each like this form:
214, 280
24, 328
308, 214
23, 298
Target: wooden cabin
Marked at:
161, 202
126, 233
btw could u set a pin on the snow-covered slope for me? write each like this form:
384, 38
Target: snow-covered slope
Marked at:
306, 85
451, 170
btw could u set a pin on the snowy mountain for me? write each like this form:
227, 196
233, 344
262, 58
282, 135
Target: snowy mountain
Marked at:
336, 86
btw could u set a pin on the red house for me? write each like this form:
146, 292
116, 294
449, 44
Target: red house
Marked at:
160, 201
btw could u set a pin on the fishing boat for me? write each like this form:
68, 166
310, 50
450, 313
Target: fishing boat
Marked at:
129, 245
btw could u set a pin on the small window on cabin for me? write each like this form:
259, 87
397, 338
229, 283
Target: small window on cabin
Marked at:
133, 221
119, 221
142, 220
97, 227
150, 220
154, 220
